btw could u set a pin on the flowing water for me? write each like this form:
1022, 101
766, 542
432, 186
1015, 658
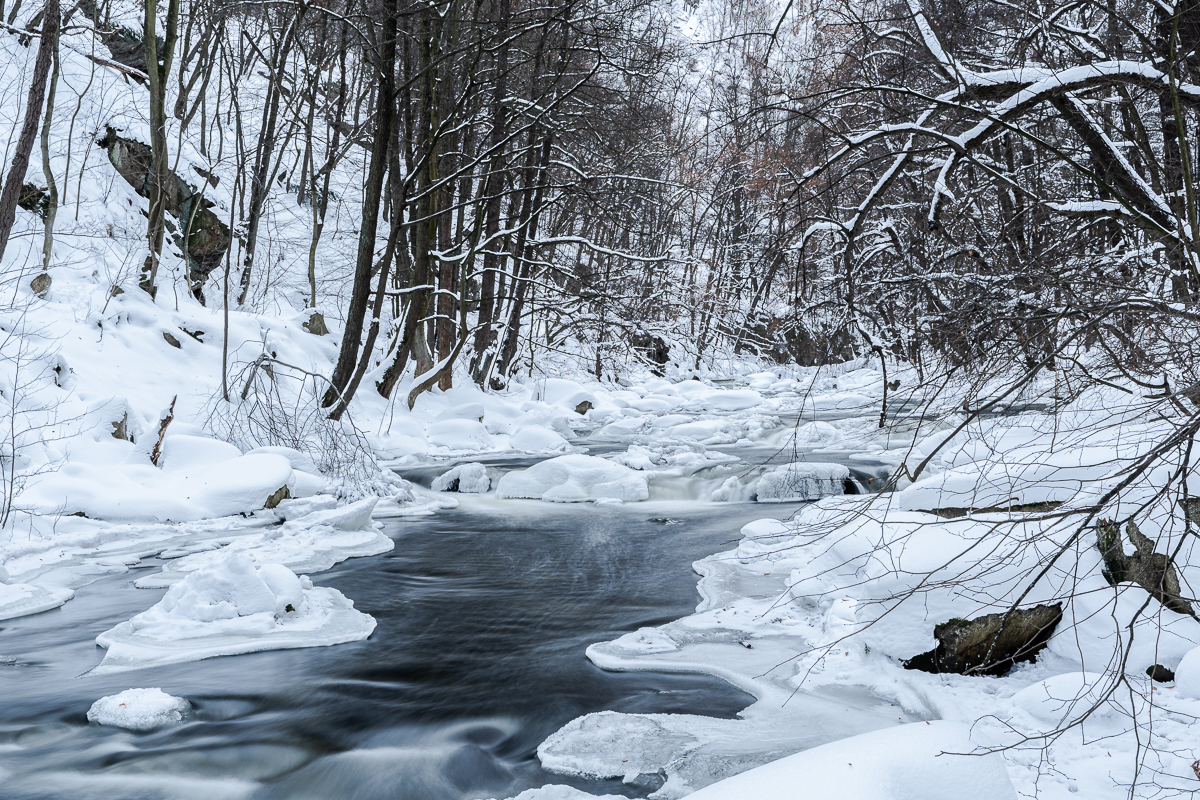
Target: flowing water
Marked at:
484, 613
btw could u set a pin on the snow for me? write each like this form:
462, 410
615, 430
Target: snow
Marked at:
802, 481
574, 479
229, 607
311, 543
143, 492
560, 792
922, 761
20, 599
1187, 675
138, 709
466, 478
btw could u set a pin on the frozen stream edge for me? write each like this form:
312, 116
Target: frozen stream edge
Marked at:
742, 634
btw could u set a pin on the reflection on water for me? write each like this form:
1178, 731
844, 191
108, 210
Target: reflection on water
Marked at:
484, 613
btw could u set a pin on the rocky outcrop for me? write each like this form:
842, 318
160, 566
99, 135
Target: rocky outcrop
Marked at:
991, 644
200, 234
1153, 571
653, 348
34, 199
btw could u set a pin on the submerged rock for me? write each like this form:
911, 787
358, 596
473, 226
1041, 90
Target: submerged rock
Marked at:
991, 644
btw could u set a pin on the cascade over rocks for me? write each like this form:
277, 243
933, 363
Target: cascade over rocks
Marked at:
207, 237
989, 645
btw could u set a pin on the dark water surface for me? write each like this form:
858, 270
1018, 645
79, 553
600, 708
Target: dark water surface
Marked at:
484, 613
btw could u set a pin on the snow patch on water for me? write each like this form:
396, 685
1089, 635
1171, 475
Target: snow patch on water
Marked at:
138, 709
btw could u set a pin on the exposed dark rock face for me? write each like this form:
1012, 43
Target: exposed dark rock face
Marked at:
277, 497
316, 324
41, 284
796, 342
653, 349
991, 644
33, 199
204, 238
1153, 571
1160, 674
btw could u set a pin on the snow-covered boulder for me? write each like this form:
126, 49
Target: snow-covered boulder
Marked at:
229, 607
138, 709
575, 479
732, 400
538, 439
802, 481
466, 478
460, 434
200, 488
1064, 697
1187, 675
183, 452
922, 761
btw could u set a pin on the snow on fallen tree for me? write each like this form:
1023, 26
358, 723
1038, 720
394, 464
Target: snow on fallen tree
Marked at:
230, 607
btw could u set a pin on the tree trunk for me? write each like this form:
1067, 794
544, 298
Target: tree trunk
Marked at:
29, 129
372, 193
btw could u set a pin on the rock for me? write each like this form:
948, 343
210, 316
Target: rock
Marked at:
121, 429
316, 324
989, 645
584, 407
653, 349
204, 238
796, 341
1148, 569
1160, 674
41, 284
281, 494
33, 199
171, 340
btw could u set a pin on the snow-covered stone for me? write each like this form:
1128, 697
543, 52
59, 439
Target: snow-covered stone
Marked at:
466, 478
1187, 675
229, 607
138, 709
575, 479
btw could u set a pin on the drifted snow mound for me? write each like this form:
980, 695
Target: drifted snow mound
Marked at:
138, 709
555, 791
1065, 697
199, 485
1187, 675
230, 607
802, 481
467, 478
922, 761
575, 479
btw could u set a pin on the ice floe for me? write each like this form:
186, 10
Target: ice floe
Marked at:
228, 607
